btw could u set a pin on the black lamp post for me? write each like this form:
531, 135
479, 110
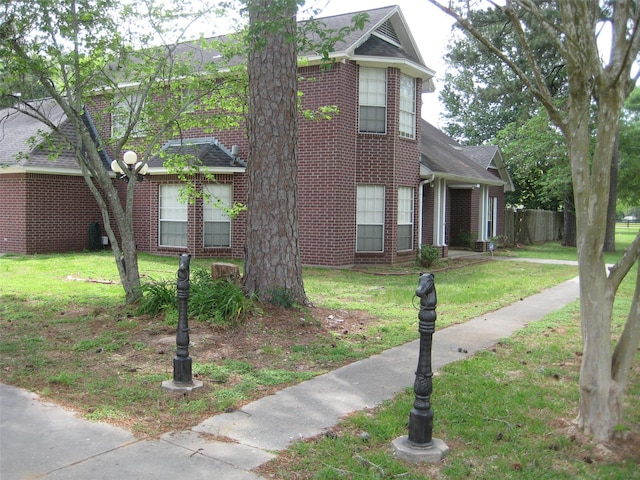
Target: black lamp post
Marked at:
421, 415
182, 374
419, 445
182, 360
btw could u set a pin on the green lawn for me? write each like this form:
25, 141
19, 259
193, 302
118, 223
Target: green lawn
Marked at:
506, 412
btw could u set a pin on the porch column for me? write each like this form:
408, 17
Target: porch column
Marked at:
483, 213
440, 212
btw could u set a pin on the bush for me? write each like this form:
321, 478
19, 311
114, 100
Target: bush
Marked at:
220, 302
427, 255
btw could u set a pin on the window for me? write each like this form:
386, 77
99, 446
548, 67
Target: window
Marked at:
405, 218
370, 218
217, 224
173, 217
123, 107
407, 107
373, 100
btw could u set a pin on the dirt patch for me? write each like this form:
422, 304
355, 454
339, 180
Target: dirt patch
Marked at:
262, 339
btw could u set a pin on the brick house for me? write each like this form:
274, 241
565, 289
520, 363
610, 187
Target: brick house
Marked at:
374, 182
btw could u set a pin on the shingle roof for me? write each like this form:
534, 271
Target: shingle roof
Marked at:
483, 155
443, 156
209, 151
17, 129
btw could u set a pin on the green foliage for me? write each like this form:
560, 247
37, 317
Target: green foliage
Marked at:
536, 156
480, 93
464, 239
281, 297
220, 302
629, 151
426, 255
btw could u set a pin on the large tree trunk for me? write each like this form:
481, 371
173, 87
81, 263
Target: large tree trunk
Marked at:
590, 173
272, 257
610, 233
569, 236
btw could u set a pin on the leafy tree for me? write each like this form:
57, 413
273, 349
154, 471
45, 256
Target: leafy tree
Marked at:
127, 56
629, 179
603, 83
481, 95
536, 156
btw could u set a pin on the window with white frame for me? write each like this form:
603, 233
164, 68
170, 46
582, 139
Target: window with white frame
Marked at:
370, 218
373, 100
217, 224
405, 218
407, 106
173, 215
123, 108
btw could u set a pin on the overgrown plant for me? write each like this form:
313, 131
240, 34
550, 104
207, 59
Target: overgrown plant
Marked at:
427, 254
220, 301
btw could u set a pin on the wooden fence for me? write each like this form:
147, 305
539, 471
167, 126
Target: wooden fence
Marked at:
532, 226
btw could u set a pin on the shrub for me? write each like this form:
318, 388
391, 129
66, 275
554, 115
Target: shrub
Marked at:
281, 297
221, 301
427, 254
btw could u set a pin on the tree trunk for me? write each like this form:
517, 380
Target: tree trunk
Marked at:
610, 233
124, 249
569, 237
590, 175
273, 268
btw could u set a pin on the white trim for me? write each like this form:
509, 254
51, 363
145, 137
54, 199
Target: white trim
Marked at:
72, 172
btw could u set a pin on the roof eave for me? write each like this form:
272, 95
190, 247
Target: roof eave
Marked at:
74, 172
214, 170
466, 180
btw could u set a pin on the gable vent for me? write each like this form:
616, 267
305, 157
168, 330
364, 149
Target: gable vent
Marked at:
386, 30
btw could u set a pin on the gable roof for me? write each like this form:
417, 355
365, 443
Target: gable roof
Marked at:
385, 40
442, 155
490, 157
17, 128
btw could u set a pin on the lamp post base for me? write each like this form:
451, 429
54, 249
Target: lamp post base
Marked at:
175, 387
431, 454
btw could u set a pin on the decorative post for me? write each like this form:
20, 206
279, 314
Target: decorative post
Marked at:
182, 378
419, 445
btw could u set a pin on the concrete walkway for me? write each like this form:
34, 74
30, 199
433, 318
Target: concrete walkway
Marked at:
39, 440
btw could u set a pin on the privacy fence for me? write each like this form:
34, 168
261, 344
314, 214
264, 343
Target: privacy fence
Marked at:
532, 226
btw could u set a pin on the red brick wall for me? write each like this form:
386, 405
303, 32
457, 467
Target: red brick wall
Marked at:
13, 215
49, 213
459, 213
333, 158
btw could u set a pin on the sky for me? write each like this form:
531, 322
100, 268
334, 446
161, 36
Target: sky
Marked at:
430, 28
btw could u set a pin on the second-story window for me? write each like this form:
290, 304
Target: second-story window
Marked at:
407, 106
373, 100
124, 107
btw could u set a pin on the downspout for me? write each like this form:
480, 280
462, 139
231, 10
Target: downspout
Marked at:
420, 203
93, 133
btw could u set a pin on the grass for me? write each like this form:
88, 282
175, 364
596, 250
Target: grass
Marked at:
555, 250
60, 314
505, 413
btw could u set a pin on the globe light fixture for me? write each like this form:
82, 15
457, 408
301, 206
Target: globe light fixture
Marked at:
130, 159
